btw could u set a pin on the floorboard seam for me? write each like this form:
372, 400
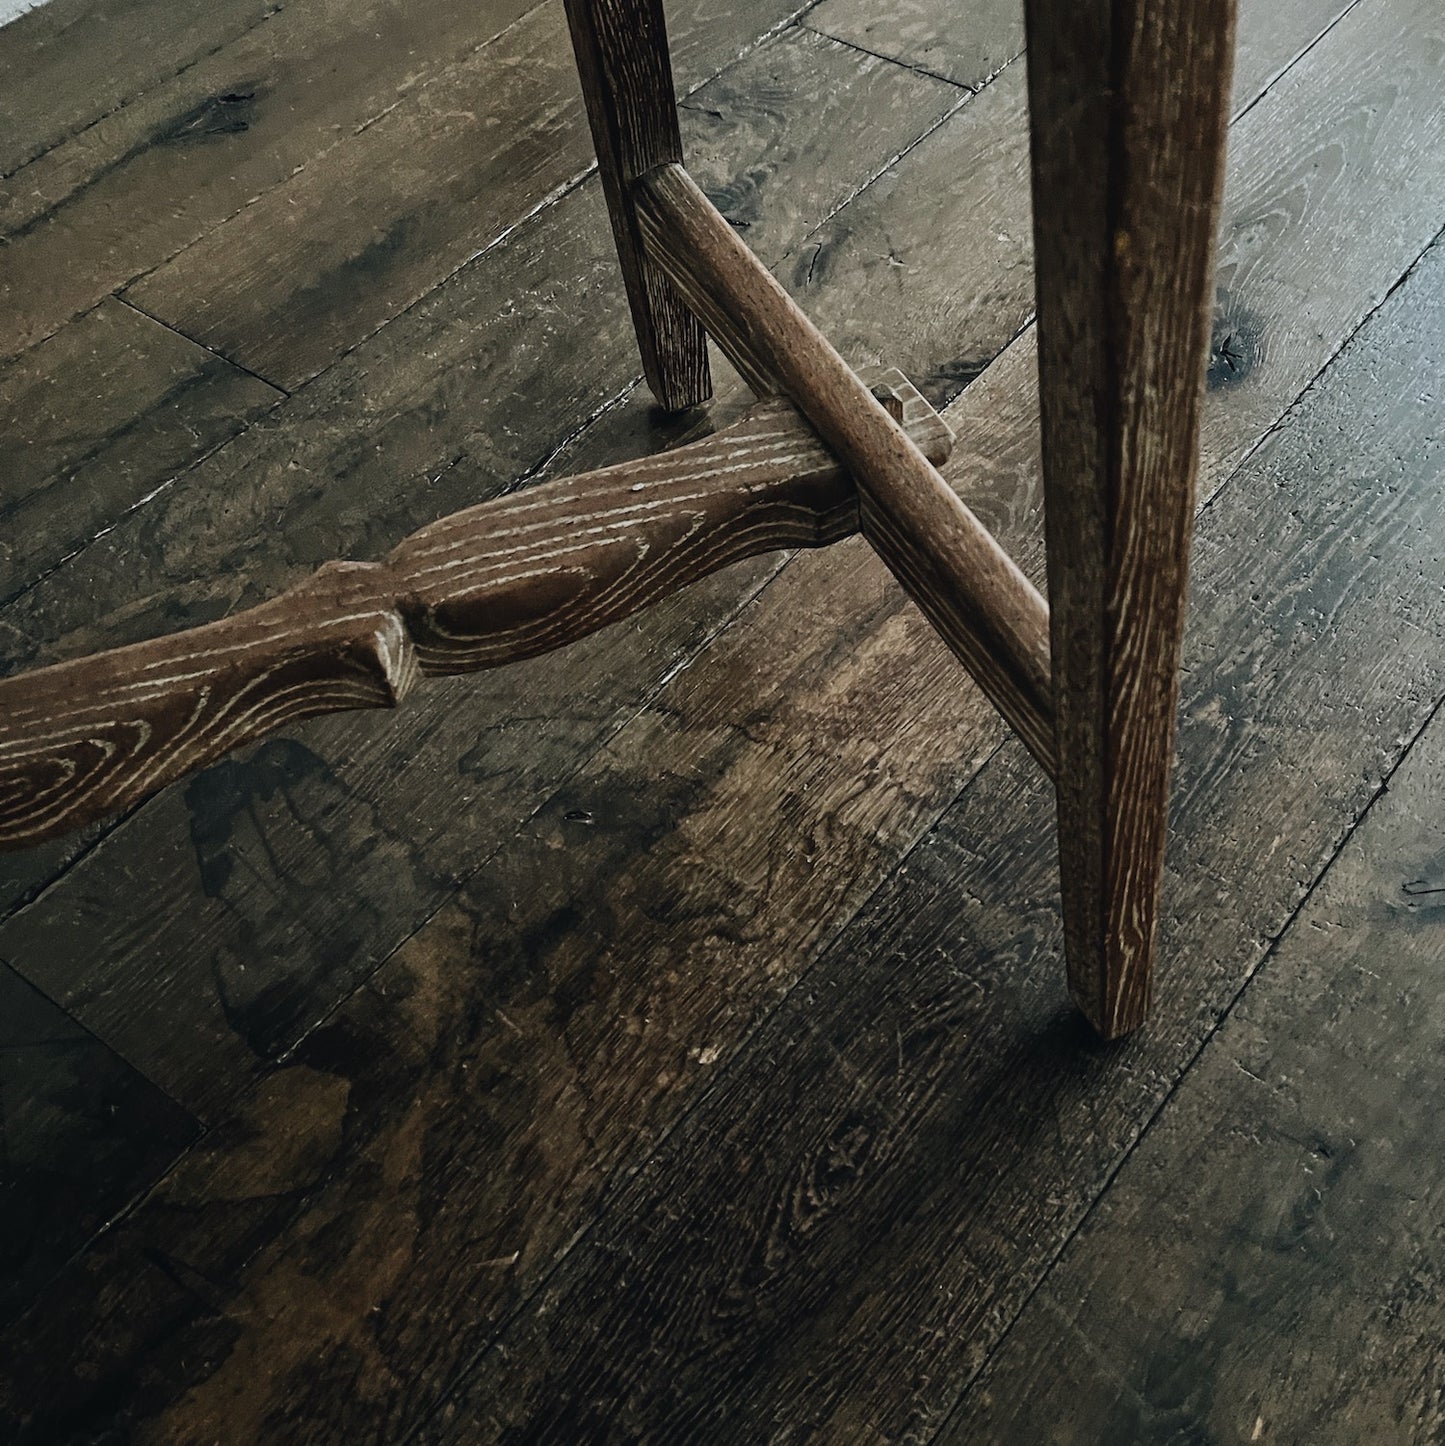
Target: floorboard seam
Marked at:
792, 18
1284, 70
1283, 420
732, 616
141, 94
723, 625
1266, 954
171, 327
922, 70
86, 1030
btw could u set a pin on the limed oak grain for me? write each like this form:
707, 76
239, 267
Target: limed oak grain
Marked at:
527, 1115
405, 425
189, 928
1128, 110
835, 1237
509, 579
949, 563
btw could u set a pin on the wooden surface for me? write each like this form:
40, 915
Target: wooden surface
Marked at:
835, 1237
82, 1130
58, 66
1128, 106
663, 835
155, 404
625, 65
506, 580
970, 48
1282, 1220
988, 612
150, 177
543, 314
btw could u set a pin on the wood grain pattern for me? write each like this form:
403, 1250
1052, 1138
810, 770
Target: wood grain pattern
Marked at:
149, 178
959, 266
1128, 109
1269, 1264
626, 72
292, 281
840, 1229
67, 63
242, 911
95, 420
408, 420
969, 46
326, 1199
342, 842
505, 580
988, 612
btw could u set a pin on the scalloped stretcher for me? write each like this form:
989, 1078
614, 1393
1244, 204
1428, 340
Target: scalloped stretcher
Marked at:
1128, 104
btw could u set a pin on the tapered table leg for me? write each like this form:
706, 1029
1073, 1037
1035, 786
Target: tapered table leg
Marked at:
1128, 104
622, 58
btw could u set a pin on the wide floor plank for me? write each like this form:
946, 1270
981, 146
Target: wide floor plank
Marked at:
535, 1054
327, 257
147, 179
857, 1188
973, 43
66, 63
95, 420
351, 835
1269, 1265
830, 1243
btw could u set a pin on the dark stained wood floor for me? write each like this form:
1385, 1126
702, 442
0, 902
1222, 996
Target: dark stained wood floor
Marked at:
667, 1039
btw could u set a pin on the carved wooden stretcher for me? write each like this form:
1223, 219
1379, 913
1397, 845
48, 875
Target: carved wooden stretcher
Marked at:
1128, 101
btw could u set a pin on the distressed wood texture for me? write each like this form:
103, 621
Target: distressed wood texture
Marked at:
966, 44
264, 155
320, 260
67, 63
151, 176
1128, 109
95, 420
1269, 1263
626, 72
241, 908
448, 1133
833, 1239
417, 422
989, 613
505, 580
972, 46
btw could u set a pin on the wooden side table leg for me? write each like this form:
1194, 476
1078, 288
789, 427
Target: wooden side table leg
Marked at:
622, 58
1129, 104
